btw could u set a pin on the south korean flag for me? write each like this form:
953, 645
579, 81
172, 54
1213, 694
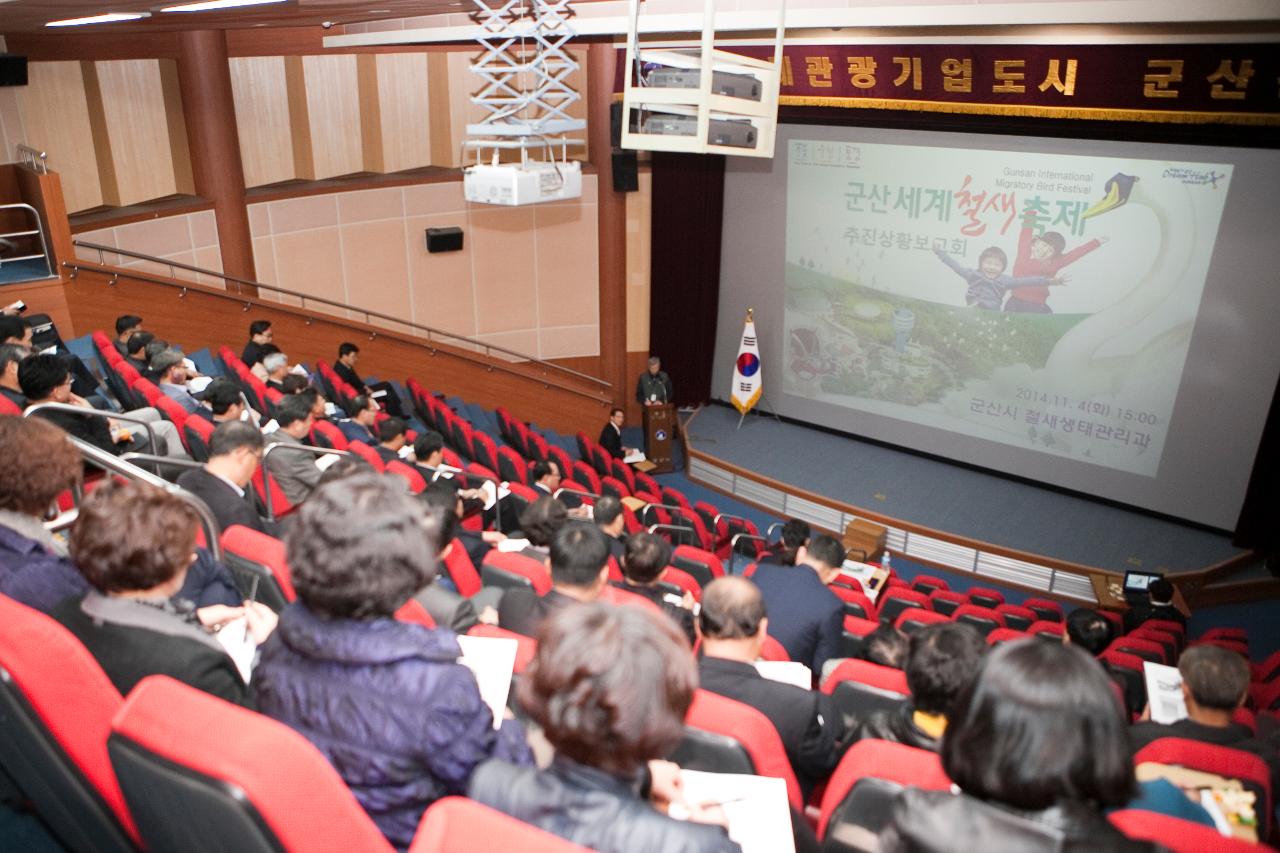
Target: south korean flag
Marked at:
747, 382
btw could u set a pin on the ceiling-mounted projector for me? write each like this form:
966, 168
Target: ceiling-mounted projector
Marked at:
737, 134
522, 183
742, 86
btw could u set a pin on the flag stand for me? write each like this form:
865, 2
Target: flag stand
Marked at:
764, 399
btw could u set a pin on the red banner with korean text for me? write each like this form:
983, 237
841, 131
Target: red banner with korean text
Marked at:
1190, 83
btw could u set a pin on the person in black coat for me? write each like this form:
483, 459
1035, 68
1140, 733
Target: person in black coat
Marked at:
805, 616
235, 449
133, 543
644, 564
260, 335
1159, 606
611, 434
579, 571
345, 367
733, 626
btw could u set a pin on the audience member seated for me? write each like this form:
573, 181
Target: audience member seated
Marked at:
579, 571
733, 624
440, 597
133, 543
260, 335
293, 383
391, 438
611, 434
224, 402
11, 355
126, 326
235, 449
359, 427
942, 662
477, 543
47, 379
807, 618
1215, 682
428, 453
610, 687
1037, 749
887, 646
539, 523
136, 351
795, 534
1091, 631
170, 370
1159, 606
154, 348
276, 367
345, 367
315, 401
608, 516
15, 330
295, 471
386, 701
259, 370
546, 477
39, 465
644, 564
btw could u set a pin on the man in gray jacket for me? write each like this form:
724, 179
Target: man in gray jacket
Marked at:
295, 471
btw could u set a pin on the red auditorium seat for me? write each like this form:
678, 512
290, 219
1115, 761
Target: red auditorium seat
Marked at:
8, 407
646, 483
1266, 695
417, 484
1005, 635
56, 704
512, 467
947, 602
1045, 609
1179, 836
587, 475
621, 597
771, 649
414, 613
1016, 616
855, 603
279, 503
368, 454
856, 803
1240, 648
614, 486
679, 582
196, 435
847, 582
623, 472
986, 597
702, 566
511, 570
985, 619
894, 600
526, 647
1237, 634
859, 688
327, 434
486, 449
1116, 620
1047, 629
202, 774
756, 747
1175, 628
914, 618
1145, 649
1168, 642
852, 632
249, 554
456, 823
458, 565
1268, 669
928, 583
1250, 769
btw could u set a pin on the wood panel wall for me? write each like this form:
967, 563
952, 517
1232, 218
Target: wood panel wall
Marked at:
260, 88
55, 113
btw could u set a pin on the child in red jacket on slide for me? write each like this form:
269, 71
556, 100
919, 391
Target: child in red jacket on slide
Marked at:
1042, 256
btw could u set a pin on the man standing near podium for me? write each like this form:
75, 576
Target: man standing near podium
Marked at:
654, 387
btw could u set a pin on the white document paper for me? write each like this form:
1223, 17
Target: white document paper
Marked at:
786, 671
323, 462
240, 647
492, 659
862, 573
198, 384
510, 545
1164, 693
756, 807
633, 457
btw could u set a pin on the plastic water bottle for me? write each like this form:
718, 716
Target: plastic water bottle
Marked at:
884, 561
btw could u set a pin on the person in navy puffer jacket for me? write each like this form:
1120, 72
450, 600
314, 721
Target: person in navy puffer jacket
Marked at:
386, 701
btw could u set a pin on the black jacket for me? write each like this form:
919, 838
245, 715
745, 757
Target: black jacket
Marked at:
942, 822
611, 441
812, 730
897, 727
590, 807
522, 610
1139, 613
227, 507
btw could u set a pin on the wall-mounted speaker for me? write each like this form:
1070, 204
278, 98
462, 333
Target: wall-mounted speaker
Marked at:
444, 239
626, 172
13, 69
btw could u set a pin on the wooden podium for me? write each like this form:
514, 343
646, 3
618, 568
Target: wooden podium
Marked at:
659, 429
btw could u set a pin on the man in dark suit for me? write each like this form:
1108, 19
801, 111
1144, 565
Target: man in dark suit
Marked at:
579, 570
260, 335
608, 516
126, 325
654, 385
643, 565
733, 626
807, 618
235, 449
360, 426
611, 434
1159, 606
391, 438
345, 367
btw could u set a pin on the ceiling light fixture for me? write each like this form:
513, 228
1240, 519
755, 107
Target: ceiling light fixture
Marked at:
105, 18
211, 5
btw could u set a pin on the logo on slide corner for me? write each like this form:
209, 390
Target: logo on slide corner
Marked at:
748, 364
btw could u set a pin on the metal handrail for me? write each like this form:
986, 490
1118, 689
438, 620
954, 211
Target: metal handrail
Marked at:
777, 525
38, 231
733, 547
580, 493
35, 158
298, 448
115, 465
672, 527
428, 331
95, 413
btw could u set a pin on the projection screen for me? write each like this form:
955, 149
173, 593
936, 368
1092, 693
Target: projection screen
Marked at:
1094, 315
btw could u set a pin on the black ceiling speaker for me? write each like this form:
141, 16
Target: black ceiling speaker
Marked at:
444, 239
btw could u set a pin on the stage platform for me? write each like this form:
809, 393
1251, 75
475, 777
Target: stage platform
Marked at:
947, 499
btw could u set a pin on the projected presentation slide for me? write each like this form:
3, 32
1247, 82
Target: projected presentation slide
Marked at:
1039, 300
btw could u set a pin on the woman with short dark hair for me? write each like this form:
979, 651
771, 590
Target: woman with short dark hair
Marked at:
134, 544
1038, 748
610, 687
387, 702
